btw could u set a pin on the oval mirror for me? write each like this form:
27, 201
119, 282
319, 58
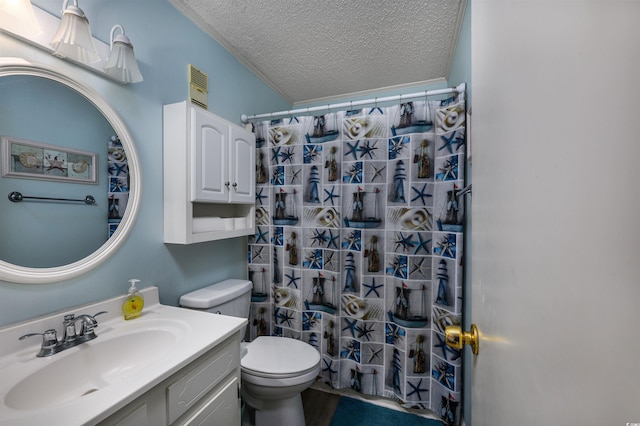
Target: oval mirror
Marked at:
61, 144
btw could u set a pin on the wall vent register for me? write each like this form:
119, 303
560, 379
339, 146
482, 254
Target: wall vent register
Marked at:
198, 87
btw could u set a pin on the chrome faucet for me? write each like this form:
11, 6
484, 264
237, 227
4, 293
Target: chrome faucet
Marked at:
72, 335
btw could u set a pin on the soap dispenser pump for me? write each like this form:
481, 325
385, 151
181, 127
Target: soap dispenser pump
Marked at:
134, 302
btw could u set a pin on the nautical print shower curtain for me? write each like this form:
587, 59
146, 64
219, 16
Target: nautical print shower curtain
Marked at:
118, 173
358, 245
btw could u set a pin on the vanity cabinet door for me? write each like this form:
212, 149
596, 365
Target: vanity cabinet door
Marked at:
187, 391
210, 153
147, 410
204, 392
137, 417
223, 409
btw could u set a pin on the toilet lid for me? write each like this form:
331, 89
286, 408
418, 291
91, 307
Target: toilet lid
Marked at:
270, 356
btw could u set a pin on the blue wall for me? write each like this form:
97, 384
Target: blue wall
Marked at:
165, 42
461, 65
381, 93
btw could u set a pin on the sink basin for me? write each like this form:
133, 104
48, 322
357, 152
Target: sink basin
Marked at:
91, 366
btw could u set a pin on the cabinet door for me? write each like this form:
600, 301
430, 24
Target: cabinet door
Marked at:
243, 166
209, 157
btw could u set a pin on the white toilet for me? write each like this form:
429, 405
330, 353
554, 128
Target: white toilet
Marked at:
274, 370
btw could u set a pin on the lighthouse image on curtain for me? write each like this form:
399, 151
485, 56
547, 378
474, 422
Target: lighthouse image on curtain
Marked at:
350, 273
314, 182
377, 214
443, 281
398, 183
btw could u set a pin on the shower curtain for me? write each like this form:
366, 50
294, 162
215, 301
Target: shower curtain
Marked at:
358, 245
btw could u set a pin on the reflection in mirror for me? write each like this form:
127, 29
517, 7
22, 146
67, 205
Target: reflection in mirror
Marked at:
43, 234
54, 131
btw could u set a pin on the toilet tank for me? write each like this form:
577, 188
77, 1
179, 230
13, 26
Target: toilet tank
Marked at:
230, 297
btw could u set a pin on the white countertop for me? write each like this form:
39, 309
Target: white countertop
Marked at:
196, 333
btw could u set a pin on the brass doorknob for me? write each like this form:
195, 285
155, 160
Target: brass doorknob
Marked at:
456, 338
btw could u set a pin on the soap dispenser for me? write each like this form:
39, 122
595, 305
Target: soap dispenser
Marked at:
133, 304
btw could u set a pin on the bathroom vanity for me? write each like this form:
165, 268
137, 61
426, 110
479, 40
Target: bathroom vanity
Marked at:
171, 366
206, 391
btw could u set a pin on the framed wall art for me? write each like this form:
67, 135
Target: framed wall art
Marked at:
34, 160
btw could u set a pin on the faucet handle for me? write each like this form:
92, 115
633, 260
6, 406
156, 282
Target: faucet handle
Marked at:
88, 325
69, 326
50, 344
91, 321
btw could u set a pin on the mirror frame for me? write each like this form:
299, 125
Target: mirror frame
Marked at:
25, 275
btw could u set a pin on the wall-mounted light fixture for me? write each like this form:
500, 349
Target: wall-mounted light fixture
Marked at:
18, 15
57, 37
122, 62
73, 38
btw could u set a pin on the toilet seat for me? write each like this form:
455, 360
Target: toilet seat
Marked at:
276, 376
272, 357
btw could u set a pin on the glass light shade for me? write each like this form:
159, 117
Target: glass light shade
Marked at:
73, 39
17, 16
122, 64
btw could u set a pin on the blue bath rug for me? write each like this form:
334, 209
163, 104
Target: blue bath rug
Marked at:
354, 412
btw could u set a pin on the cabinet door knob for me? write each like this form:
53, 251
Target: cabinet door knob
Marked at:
226, 184
235, 186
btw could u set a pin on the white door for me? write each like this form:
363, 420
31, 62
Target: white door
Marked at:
555, 274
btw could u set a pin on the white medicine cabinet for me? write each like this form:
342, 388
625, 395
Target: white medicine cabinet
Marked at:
209, 176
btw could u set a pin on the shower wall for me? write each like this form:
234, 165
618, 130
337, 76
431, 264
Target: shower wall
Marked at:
358, 245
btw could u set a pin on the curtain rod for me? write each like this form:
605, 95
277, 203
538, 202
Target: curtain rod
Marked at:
458, 89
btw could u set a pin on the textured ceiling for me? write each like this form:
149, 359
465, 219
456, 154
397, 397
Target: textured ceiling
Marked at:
311, 50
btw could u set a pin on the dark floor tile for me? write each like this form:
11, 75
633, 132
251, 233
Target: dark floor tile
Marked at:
319, 407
